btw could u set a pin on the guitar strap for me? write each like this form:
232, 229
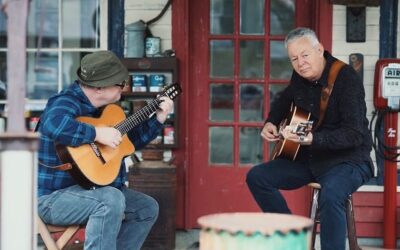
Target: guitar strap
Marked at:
326, 92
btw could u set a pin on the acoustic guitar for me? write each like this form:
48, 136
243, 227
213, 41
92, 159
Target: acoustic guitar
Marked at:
298, 122
96, 164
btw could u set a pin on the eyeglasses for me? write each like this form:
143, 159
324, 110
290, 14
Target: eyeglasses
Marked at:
121, 85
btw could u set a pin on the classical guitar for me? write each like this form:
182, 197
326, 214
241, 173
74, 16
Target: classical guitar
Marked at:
97, 164
298, 122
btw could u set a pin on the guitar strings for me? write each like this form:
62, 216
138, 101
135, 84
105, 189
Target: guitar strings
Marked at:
138, 117
144, 113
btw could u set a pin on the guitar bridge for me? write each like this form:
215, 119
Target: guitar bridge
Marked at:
97, 152
303, 128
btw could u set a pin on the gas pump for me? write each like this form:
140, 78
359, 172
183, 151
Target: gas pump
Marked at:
387, 105
387, 84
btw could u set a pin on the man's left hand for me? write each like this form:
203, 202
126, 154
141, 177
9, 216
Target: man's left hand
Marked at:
165, 108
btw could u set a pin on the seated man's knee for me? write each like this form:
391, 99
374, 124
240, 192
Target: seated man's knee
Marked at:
153, 207
150, 209
253, 176
114, 200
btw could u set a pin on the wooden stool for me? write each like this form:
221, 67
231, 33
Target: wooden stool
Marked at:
45, 232
314, 215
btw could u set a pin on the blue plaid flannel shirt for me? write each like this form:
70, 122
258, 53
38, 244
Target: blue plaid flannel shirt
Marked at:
58, 123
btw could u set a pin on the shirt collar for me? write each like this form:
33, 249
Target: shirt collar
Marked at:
77, 91
325, 74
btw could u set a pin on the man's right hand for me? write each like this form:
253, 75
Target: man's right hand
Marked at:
108, 136
270, 132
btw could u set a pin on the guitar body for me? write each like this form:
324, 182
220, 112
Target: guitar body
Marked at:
95, 164
88, 169
285, 148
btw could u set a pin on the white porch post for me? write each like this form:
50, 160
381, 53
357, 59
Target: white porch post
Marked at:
17, 146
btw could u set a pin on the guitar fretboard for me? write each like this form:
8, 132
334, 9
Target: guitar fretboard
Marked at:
138, 117
144, 113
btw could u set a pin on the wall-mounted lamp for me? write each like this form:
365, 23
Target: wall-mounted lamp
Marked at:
355, 18
355, 24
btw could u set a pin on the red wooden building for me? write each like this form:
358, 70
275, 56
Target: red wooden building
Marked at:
232, 64
208, 183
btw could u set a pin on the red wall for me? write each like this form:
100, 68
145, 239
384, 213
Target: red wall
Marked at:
368, 211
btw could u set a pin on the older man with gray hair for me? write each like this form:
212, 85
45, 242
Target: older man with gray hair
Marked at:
336, 153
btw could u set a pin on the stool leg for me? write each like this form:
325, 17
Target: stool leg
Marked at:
351, 225
67, 236
46, 236
314, 215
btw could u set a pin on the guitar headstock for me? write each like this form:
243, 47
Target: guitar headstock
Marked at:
172, 91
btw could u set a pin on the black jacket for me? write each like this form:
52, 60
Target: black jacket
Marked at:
343, 135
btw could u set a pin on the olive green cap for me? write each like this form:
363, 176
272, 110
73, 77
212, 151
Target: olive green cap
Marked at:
102, 69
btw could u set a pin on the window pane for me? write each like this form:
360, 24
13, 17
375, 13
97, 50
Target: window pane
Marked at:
280, 67
43, 24
42, 75
252, 59
70, 63
221, 145
221, 17
81, 30
221, 102
251, 102
3, 28
274, 91
251, 146
252, 17
282, 16
3, 76
221, 58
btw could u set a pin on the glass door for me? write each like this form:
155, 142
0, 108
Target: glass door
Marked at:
238, 67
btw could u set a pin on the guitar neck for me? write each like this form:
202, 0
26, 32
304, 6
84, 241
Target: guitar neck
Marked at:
138, 117
144, 113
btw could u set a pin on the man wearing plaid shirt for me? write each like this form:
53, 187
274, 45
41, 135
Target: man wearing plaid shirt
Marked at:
116, 217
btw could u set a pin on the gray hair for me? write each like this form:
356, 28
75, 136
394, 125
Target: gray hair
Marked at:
299, 33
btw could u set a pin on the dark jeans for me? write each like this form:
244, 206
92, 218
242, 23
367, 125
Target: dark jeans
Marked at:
265, 180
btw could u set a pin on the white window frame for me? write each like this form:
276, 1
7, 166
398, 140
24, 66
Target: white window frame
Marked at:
39, 104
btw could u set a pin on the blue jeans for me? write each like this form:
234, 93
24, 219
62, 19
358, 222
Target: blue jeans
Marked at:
265, 180
115, 219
